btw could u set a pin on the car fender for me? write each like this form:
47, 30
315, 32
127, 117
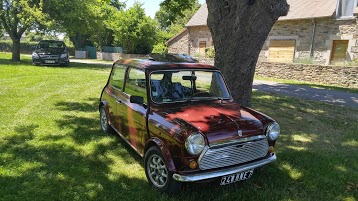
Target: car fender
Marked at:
165, 151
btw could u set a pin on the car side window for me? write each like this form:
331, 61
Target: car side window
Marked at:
135, 83
117, 76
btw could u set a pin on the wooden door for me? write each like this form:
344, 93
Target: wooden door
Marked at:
282, 51
202, 46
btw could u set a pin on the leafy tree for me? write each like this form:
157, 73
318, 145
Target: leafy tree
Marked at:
16, 16
134, 30
166, 20
239, 30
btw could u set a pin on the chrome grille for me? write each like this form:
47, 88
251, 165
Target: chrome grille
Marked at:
49, 56
233, 154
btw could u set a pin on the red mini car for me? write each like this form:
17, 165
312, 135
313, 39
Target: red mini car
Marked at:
181, 118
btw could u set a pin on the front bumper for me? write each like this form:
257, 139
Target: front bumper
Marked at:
57, 61
223, 172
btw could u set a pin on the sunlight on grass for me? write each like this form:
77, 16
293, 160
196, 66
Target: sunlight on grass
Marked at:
350, 143
294, 173
341, 168
303, 138
296, 148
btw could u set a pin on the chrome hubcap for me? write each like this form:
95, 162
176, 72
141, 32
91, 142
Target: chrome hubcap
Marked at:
104, 124
157, 171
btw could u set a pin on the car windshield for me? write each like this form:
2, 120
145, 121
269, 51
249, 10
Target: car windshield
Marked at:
184, 85
51, 44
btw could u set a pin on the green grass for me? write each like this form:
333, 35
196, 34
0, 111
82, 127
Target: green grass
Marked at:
313, 85
52, 148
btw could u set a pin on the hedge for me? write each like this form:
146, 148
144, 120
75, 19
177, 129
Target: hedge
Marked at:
26, 47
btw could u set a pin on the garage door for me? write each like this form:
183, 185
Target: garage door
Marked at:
282, 51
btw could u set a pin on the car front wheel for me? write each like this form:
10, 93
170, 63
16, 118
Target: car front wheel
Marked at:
157, 172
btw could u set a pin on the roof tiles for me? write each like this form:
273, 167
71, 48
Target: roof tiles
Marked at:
299, 9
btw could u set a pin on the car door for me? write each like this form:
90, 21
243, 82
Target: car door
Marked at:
135, 114
113, 93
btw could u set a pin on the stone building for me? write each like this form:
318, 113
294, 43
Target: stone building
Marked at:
324, 31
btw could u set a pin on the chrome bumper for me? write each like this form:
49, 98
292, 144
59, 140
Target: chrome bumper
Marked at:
223, 172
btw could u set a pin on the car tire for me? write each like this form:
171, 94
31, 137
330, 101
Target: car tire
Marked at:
157, 172
106, 128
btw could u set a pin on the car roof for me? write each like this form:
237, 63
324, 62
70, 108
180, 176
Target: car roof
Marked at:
148, 64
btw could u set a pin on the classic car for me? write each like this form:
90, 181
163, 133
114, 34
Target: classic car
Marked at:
181, 118
50, 52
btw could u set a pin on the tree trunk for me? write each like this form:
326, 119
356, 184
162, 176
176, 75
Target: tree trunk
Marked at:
239, 30
15, 50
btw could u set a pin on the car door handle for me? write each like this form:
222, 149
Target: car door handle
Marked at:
119, 101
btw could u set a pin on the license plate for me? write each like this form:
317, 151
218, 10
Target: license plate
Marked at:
50, 61
236, 177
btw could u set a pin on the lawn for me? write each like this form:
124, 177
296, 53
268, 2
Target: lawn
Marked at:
52, 148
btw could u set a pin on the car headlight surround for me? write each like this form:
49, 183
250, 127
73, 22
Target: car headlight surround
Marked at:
35, 55
195, 144
273, 131
63, 56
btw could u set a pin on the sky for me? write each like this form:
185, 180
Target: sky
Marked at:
150, 6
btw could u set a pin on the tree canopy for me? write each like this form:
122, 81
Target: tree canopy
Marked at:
170, 27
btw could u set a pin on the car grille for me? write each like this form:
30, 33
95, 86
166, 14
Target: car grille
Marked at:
233, 154
49, 56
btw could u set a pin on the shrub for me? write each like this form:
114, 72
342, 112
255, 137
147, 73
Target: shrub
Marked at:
210, 52
26, 47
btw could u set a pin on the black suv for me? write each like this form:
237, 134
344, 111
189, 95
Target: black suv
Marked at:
50, 52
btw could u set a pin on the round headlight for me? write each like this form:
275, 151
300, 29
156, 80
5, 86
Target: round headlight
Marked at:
273, 131
195, 144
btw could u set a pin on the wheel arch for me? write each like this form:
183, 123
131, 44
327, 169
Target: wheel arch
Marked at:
165, 151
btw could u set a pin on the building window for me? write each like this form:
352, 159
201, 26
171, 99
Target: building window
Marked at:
339, 51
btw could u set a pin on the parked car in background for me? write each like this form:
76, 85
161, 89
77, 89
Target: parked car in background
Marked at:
181, 118
50, 52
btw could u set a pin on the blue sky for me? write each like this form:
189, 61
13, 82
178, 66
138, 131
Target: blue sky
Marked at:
150, 6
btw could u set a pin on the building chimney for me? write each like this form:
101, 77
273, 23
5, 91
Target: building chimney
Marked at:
345, 9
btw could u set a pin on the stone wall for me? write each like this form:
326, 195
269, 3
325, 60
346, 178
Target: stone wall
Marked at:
344, 76
327, 30
198, 34
180, 43
187, 42
116, 56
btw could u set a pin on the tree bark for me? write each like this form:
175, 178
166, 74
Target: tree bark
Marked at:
15, 50
239, 29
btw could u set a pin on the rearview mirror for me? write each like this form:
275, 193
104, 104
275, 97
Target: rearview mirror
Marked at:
137, 99
193, 77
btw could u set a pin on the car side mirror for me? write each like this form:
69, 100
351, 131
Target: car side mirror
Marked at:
137, 99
